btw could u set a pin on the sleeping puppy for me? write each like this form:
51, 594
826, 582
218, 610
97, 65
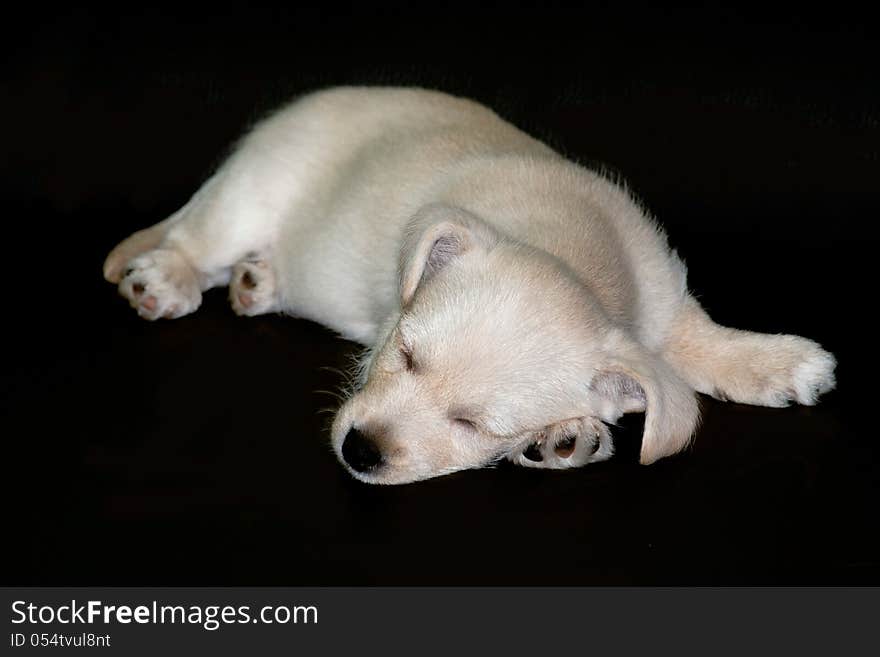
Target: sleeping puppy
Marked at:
512, 302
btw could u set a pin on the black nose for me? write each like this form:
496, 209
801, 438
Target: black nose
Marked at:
360, 452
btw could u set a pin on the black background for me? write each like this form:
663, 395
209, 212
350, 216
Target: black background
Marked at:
196, 452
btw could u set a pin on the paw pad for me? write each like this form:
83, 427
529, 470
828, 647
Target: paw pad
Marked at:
160, 283
533, 453
252, 287
565, 447
569, 444
247, 281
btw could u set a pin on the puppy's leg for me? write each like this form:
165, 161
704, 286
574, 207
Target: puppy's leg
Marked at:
252, 289
747, 367
158, 282
169, 265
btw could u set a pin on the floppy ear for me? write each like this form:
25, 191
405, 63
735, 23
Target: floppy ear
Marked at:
639, 382
436, 236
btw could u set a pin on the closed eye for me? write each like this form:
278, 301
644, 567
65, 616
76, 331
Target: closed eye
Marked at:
408, 360
465, 423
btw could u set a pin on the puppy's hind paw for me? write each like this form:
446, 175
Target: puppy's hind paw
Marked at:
252, 288
160, 284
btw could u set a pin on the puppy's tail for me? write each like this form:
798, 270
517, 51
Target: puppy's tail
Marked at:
134, 245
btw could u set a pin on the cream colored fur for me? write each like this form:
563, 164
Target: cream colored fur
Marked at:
512, 301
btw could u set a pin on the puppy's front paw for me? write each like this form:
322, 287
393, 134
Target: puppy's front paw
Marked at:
568, 444
161, 284
787, 369
252, 288
813, 376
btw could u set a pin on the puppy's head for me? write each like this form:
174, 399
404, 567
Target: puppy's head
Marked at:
498, 349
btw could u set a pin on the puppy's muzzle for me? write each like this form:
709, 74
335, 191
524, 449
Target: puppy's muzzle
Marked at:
360, 452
